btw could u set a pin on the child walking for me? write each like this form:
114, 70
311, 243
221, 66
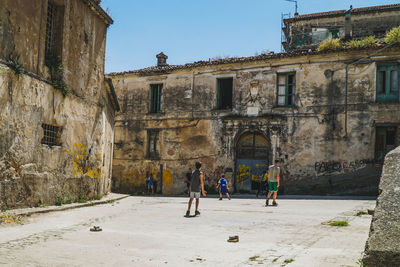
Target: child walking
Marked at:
223, 187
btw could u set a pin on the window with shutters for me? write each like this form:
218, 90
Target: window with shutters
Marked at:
286, 85
387, 83
155, 98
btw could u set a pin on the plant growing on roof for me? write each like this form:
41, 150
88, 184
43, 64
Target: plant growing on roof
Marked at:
365, 42
393, 36
56, 70
329, 44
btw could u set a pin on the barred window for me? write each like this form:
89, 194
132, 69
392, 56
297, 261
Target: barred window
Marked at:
54, 29
51, 135
152, 144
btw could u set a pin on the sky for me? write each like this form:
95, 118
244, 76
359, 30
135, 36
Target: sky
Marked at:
193, 30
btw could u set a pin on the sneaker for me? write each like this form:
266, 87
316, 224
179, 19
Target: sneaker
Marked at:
197, 213
220, 198
274, 203
267, 202
187, 213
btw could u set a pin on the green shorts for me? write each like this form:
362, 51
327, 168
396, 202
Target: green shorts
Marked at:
273, 186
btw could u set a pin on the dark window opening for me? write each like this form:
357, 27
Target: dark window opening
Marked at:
155, 98
385, 142
152, 144
51, 135
54, 30
387, 83
382, 82
286, 89
224, 93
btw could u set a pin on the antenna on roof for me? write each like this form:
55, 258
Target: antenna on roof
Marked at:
295, 4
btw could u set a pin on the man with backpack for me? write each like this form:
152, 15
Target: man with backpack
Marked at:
196, 185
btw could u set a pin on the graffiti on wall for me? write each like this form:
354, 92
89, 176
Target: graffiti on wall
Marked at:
81, 159
243, 173
257, 173
327, 167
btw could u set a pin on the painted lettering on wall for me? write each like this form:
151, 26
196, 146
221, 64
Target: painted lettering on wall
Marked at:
83, 161
327, 167
243, 174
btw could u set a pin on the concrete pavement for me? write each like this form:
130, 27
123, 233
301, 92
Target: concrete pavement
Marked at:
145, 231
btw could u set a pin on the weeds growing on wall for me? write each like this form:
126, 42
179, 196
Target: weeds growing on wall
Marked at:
56, 69
393, 36
13, 63
329, 44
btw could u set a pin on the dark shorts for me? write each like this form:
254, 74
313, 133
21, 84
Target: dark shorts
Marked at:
223, 190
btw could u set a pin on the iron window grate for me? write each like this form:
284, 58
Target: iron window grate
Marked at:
51, 135
50, 28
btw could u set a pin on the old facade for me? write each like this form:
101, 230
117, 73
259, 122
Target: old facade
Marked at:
237, 115
330, 117
56, 107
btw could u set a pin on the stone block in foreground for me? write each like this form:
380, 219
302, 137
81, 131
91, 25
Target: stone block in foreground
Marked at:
383, 244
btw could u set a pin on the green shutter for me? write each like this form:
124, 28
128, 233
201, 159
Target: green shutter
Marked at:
386, 95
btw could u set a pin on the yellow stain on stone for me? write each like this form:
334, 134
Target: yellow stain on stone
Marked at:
79, 155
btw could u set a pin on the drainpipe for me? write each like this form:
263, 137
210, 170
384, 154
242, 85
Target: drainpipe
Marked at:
345, 99
192, 94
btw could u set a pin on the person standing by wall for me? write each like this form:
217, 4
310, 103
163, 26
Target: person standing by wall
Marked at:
273, 182
196, 185
188, 177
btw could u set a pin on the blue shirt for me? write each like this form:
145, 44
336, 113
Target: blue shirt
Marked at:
150, 180
222, 182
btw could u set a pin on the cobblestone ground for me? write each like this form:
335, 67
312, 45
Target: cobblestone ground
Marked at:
144, 231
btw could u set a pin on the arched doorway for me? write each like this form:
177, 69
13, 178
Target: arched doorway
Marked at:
252, 159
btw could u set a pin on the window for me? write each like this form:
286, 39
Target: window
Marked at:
387, 83
224, 93
155, 98
51, 135
385, 141
286, 89
54, 30
152, 144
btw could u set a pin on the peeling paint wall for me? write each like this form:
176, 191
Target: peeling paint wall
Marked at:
309, 138
32, 173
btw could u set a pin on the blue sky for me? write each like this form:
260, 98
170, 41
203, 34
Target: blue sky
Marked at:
192, 30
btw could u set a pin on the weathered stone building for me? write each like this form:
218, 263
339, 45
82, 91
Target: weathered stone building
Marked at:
307, 31
330, 117
56, 107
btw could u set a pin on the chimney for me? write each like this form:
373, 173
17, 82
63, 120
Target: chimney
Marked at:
348, 31
161, 59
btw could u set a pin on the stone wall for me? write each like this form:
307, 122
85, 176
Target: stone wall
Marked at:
79, 165
383, 246
318, 156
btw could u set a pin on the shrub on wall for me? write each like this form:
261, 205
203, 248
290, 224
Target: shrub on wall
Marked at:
329, 44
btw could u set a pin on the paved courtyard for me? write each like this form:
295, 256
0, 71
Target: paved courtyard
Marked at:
145, 231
